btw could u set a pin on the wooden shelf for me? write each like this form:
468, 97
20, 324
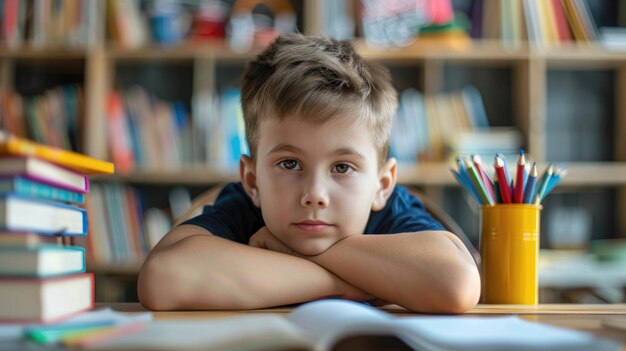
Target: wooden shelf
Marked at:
475, 50
129, 268
579, 174
43, 53
423, 174
190, 176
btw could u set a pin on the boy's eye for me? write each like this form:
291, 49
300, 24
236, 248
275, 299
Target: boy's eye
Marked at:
342, 168
289, 164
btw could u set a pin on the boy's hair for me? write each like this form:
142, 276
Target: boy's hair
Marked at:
317, 79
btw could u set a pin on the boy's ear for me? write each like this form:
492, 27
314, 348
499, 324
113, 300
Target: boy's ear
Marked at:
247, 174
387, 178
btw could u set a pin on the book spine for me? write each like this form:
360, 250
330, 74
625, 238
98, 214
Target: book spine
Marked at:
27, 187
60, 185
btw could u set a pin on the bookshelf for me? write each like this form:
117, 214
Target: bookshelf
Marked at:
522, 86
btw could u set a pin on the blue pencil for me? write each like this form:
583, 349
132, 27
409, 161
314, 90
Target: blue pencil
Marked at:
465, 185
460, 162
544, 185
556, 178
531, 184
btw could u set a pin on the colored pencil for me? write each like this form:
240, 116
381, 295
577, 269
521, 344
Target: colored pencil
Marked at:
531, 185
518, 192
467, 186
487, 182
505, 192
509, 181
544, 185
475, 177
466, 178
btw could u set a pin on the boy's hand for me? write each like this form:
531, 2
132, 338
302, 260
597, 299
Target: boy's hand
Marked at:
264, 239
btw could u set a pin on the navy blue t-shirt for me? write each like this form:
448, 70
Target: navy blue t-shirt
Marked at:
234, 216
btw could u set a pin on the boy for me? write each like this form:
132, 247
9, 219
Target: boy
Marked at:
318, 121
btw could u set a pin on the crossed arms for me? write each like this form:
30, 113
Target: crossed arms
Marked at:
190, 268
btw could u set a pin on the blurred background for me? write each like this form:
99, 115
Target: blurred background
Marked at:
154, 87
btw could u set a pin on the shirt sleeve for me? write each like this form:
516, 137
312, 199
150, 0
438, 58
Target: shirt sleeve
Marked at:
233, 216
403, 213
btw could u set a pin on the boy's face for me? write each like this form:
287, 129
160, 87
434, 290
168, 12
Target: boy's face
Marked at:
316, 184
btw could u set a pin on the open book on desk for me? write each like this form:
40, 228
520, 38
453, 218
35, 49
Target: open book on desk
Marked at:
328, 324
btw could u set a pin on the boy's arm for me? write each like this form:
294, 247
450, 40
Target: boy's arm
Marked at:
430, 271
192, 269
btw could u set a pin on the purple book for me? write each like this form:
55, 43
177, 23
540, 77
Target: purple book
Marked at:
477, 19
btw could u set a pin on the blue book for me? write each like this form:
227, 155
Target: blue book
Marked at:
41, 261
22, 186
20, 213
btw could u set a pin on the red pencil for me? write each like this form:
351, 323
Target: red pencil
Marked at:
518, 192
504, 188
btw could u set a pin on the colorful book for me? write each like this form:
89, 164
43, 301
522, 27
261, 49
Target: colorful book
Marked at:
12, 145
44, 172
45, 300
22, 186
41, 261
24, 214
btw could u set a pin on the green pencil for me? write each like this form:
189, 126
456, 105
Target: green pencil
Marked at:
480, 187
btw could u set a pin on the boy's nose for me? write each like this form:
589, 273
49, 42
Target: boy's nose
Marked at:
314, 195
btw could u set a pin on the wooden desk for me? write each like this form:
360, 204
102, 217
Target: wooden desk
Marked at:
587, 318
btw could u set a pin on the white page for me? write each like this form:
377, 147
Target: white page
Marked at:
494, 333
330, 320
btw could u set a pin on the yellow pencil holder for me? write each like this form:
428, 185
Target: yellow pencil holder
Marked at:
509, 248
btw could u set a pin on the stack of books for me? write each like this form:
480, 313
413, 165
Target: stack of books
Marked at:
42, 190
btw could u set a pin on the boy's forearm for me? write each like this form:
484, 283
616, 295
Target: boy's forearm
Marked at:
208, 272
426, 271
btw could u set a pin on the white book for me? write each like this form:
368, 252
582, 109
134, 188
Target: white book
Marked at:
41, 261
321, 325
23, 214
45, 300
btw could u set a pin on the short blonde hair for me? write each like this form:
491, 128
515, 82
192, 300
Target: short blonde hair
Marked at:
317, 79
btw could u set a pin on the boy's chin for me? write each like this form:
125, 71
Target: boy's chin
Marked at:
313, 247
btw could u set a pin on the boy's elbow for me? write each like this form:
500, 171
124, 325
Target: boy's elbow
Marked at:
157, 286
463, 292
457, 294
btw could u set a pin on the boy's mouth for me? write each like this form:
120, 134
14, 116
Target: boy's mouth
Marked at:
312, 225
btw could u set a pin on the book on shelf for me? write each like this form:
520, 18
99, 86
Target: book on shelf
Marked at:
116, 231
51, 118
15, 146
47, 300
325, 324
42, 23
433, 126
41, 260
26, 187
23, 214
542, 22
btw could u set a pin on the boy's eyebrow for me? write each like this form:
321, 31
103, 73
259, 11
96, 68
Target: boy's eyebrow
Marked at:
348, 151
285, 148
339, 152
